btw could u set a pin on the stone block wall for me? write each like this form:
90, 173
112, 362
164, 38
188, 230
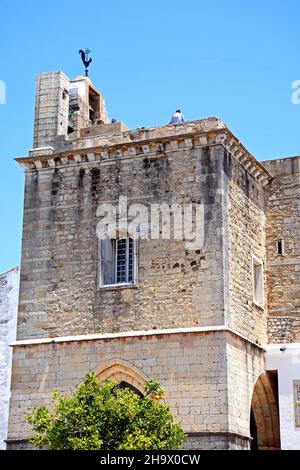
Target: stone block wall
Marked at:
192, 367
51, 108
245, 363
62, 108
60, 294
283, 271
245, 238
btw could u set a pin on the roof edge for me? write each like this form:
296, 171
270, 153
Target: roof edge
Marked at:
147, 142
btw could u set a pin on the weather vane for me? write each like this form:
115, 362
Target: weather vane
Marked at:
86, 60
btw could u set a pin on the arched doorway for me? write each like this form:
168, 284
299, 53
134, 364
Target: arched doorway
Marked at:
264, 414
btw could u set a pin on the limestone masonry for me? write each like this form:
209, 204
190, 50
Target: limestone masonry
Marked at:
197, 320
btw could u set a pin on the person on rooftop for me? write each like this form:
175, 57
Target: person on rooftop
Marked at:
177, 118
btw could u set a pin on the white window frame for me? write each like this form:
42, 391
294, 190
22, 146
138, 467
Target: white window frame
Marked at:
296, 386
259, 302
114, 285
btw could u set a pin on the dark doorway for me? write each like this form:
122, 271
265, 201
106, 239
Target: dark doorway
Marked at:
124, 384
253, 432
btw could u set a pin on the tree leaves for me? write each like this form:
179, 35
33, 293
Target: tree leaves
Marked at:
101, 416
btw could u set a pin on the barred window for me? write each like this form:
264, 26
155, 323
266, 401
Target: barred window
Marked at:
117, 261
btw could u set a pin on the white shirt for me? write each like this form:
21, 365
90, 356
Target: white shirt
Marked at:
177, 118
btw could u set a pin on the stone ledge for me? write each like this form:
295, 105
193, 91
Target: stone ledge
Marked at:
219, 433
117, 287
130, 334
41, 152
152, 142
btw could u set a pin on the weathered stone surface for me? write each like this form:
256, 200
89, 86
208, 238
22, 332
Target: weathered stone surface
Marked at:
60, 291
245, 238
283, 271
194, 368
59, 277
63, 107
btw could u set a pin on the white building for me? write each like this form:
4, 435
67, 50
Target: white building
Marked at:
9, 294
285, 359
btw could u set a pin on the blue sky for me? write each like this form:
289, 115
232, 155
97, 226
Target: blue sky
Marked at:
234, 59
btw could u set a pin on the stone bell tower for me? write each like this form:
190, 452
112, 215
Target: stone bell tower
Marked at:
65, 106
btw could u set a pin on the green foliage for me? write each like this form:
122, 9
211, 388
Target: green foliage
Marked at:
102, 416
153, 387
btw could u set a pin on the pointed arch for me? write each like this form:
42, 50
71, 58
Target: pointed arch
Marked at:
264, 412
123, 371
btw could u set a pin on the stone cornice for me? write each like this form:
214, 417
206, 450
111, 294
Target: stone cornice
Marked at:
130, 334
142, 143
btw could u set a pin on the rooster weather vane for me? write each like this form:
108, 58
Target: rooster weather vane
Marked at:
86, 60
